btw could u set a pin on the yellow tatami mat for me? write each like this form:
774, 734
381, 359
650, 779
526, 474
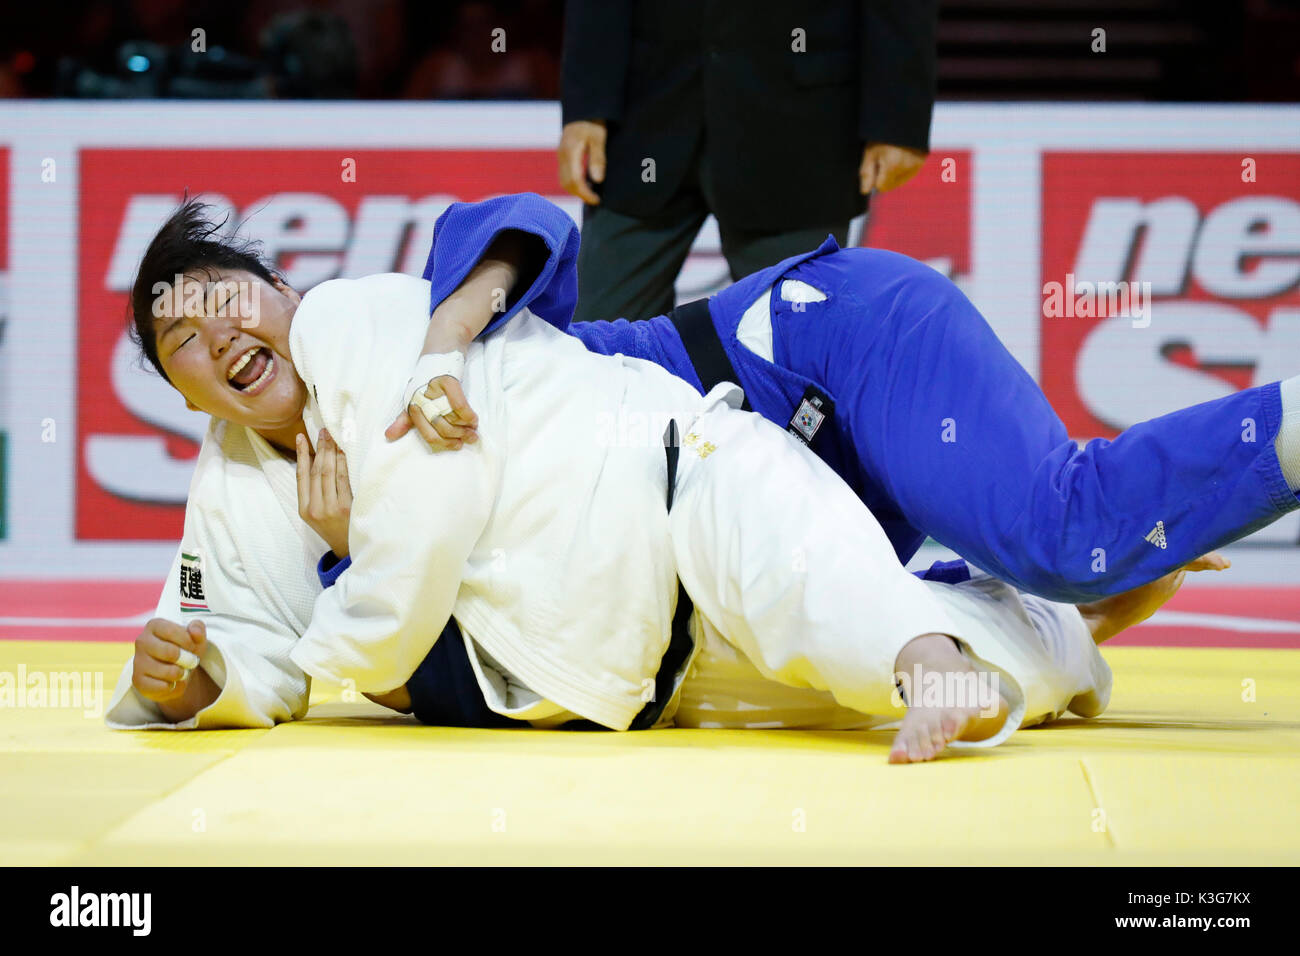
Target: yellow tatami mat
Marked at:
1197, 761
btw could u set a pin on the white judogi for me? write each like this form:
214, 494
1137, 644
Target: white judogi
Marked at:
559, 566
1044, 645
548, 539
255, 592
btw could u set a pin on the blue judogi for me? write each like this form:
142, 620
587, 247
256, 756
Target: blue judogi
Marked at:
936, 427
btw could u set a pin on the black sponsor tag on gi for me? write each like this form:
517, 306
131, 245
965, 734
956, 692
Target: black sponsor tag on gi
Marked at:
814, 411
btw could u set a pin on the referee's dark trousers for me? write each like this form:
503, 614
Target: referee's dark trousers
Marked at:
757, 111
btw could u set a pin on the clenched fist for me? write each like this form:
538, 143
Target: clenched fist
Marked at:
166, 668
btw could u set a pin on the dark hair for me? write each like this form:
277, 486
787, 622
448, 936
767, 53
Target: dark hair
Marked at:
188, 241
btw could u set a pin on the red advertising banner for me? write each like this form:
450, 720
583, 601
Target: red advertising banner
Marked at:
1210, 241
928, 218
321, 214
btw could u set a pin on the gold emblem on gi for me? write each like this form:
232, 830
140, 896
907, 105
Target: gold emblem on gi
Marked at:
703, 449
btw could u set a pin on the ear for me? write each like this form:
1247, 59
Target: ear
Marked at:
285, 289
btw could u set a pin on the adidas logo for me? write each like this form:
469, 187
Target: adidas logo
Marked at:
1157, 536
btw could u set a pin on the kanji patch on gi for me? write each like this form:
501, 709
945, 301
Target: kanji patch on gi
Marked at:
192, 596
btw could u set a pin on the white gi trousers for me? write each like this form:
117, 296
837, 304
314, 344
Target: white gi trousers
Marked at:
802, 605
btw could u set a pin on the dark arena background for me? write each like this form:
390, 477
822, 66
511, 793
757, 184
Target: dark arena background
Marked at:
1152, 145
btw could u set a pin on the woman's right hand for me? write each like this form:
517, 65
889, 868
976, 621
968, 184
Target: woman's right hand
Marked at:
448, 432
160, 650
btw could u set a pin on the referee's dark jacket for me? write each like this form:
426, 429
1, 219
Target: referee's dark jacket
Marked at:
783, 130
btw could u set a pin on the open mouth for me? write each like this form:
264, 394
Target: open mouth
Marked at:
251, 371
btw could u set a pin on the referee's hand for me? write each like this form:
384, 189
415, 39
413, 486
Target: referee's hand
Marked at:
885, 167
582, 158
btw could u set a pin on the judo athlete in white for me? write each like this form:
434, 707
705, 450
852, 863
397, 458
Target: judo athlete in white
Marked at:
549, 542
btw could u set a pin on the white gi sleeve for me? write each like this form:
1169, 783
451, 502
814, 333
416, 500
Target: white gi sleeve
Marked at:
247, 656
415, 520
416, 515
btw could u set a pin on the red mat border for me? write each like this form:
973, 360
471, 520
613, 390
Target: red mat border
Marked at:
66, 601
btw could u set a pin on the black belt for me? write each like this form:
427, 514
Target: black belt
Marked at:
695, 327
703, 346
679, 650
680, 644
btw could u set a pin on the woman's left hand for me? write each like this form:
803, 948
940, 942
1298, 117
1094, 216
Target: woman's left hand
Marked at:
324, 495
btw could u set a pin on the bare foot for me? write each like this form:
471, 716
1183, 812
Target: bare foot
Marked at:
928, 728
398, 700
1109, 616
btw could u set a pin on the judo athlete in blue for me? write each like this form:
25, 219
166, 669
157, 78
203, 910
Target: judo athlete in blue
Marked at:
900, 385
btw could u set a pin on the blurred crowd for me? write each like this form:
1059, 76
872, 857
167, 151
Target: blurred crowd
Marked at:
300, 49
1161, 50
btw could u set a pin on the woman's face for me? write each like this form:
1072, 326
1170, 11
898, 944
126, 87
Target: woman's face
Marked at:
223, 340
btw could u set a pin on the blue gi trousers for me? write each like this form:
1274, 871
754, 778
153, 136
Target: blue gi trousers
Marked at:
941, 432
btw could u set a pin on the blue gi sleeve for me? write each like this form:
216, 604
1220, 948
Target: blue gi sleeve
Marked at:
464, 231
330, 568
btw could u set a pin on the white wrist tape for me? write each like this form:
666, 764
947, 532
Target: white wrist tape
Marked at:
430, 367
431, 407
